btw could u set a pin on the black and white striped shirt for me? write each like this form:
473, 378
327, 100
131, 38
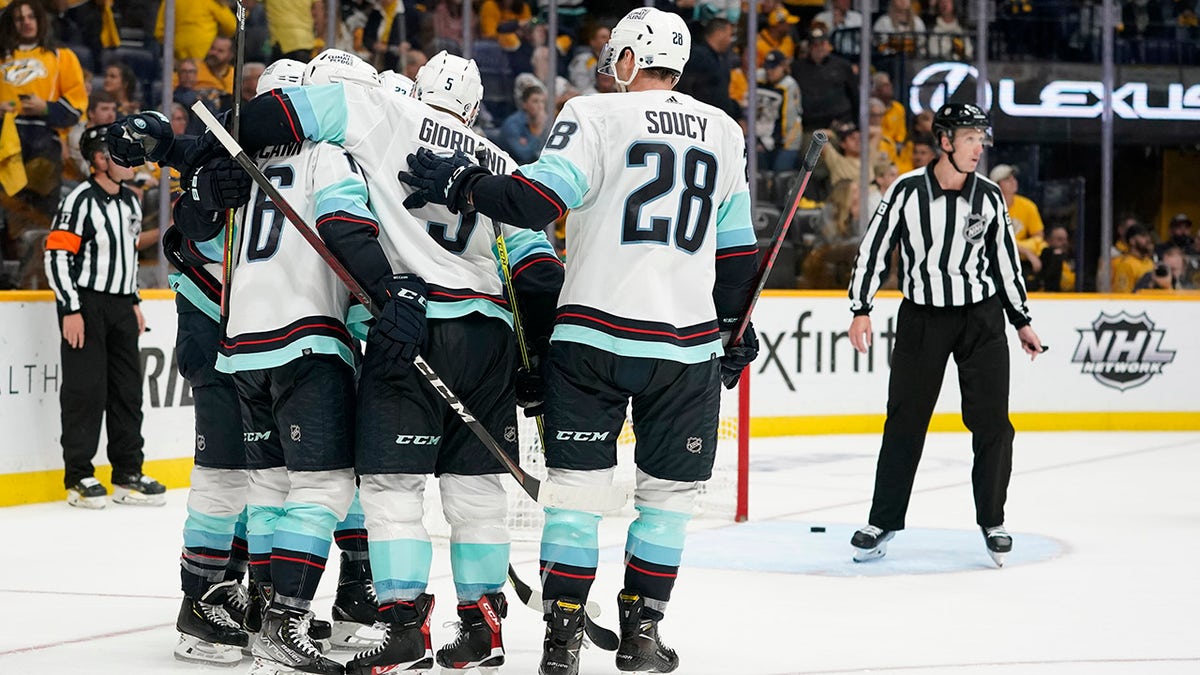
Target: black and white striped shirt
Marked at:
93, 244
956, 247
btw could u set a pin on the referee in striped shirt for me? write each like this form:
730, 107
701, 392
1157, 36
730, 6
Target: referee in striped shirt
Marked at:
960, 274
91, 262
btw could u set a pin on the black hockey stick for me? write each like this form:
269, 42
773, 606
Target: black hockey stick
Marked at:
598, 499
599, 635
815, 146
231, 239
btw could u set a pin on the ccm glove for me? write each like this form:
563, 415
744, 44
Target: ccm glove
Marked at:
221, 184
140, 138
530, 389
441, 180
739, 356
399, 331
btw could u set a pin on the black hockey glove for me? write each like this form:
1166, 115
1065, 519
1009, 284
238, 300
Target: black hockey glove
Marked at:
441, 180
736, 358
203, 149
529, 387
221, 184
140, 138
399, 332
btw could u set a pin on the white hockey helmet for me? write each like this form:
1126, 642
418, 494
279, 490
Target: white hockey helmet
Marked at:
282, 73
335, 65
396, 82
451, 83
657, 39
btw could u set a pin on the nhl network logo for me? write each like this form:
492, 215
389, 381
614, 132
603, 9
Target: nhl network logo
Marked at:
1122, 351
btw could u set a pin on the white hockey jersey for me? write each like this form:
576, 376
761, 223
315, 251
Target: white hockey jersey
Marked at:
284, 301
656, 184
454, 254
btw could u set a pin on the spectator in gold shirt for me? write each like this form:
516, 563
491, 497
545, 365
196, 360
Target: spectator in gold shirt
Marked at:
1026, 219
197, 23
1132, 266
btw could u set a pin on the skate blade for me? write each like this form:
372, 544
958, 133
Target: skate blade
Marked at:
194, 650
355, 637
487, 665
78, 500
134, 498
997, 557
479, 670
867, 555
421, 667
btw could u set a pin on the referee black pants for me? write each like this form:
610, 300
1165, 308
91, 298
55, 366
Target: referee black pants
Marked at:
926, 337
102, 381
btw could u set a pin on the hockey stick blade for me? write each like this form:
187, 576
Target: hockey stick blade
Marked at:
582, 499
599, 635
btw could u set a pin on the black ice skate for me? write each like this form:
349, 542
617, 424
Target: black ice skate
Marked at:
641, 650
999, 543
207, 634
564, 637
88, 493
285, 646
479, 644
356, 609
139, 490
405, 647
870, 543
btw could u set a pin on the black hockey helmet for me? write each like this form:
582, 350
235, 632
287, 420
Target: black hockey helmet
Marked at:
93, 140
954, 116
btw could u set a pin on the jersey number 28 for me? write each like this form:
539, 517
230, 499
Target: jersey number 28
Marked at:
696, 197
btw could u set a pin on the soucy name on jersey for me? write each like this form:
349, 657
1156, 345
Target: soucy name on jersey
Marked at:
676, 123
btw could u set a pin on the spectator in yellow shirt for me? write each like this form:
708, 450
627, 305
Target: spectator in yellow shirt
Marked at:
1026, 220
197, 24
777, 36
294, 26
1132, 266
215, 72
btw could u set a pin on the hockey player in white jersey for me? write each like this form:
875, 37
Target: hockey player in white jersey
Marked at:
293, 361
469, 343
662, 261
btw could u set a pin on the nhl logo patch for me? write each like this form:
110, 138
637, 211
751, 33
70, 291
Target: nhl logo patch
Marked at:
694, 445
974, 226
510, 434
139, 123
295, 433
200, 443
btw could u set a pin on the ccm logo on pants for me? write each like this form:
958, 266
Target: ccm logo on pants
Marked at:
585, 436
409, 439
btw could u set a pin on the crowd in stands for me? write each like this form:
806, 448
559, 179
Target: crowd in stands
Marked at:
102, 59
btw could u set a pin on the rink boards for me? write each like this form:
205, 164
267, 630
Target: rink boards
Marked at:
1115, 362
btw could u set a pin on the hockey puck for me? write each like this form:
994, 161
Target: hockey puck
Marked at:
816, 528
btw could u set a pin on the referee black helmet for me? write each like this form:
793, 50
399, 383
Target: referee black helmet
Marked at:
93, 140
960, 116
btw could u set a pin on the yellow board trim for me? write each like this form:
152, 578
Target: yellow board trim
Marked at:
46, 486
48, 296
762, 427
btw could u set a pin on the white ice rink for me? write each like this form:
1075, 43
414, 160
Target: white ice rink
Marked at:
1102, 578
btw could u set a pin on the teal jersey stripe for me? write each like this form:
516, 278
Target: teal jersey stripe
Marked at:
638, 348
322, 111
472, 592
525, 243
208, 531
561, 176
259, 544
571, 537
301, 543
213, 249
355, 518
312, 344
348, 195
660, 527
188, 289
458, 308
357, 318
734, 219
261, 521
391, 590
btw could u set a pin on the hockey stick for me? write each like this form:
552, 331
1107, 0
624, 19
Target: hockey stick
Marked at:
599, 635
239, 61
547, 494
815, 146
